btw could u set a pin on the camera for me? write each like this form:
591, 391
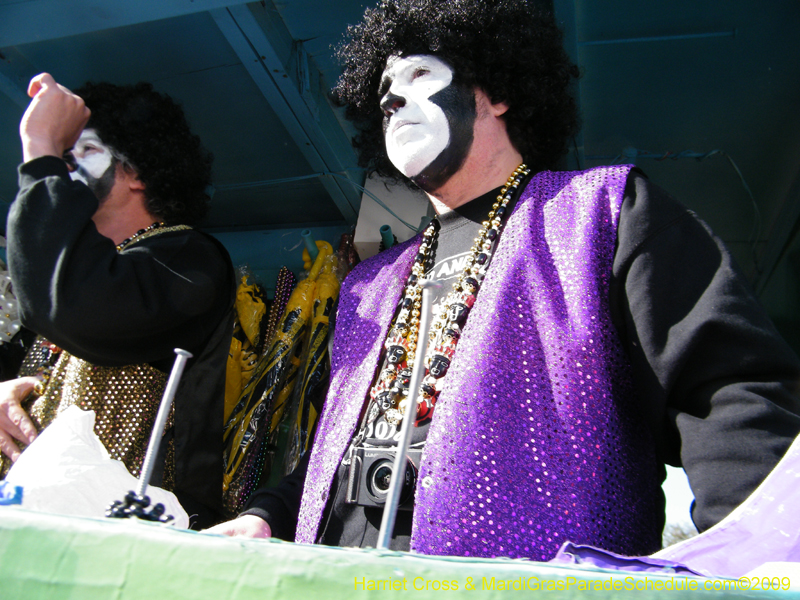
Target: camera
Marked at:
370, 475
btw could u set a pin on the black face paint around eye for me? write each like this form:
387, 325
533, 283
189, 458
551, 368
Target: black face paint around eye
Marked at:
458, 104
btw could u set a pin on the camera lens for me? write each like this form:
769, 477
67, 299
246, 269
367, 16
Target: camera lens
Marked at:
382, 478
379, 478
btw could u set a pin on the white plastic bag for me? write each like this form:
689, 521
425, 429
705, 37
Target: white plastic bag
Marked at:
68, 471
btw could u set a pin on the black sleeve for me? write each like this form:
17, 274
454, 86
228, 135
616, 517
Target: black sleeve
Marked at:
106, 307
280, 506
718, 383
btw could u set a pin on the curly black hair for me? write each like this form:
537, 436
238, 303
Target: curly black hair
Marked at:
150, 130
511, 49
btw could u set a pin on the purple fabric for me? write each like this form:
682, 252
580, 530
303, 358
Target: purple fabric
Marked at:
535, 439
573, 554
764, 528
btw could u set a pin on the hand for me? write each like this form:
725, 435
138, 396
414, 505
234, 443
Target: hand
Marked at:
244, 526
53, 121
14, 421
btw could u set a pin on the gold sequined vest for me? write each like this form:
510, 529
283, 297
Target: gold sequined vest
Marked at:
125, 399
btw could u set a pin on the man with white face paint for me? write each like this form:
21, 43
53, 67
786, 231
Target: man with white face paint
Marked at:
111, 275
428, 119
94, 164
564, 359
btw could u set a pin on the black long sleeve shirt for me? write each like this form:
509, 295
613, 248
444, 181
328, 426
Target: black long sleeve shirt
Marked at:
172, 290
718, 385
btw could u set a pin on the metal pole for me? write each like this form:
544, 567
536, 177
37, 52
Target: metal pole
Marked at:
399, 467
161, 419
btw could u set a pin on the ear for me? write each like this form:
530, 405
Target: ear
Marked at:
132, 179
498, 109
486, 106
136, 183
129, 178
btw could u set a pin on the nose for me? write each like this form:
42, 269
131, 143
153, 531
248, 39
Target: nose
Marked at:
69, 158
391, 102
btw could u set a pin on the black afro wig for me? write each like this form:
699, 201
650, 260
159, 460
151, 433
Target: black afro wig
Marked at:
511, 49
150, 130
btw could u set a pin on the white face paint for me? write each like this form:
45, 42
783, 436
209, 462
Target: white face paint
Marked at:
92, 157
415, 128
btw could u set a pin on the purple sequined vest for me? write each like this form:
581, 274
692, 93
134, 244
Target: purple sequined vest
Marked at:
536, 438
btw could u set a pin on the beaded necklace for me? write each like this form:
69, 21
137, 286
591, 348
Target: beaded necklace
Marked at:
389, 395
123, 243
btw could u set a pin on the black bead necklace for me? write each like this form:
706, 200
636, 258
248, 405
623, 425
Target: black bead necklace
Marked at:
123, 243
389, 394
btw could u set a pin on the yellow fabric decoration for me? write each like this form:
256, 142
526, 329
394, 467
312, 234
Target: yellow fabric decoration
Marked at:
250, 309
249, 432
321, 247
233, 377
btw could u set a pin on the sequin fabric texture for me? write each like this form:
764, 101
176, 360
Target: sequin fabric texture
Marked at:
125, 401
536, 440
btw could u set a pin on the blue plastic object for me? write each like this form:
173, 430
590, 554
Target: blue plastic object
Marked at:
10, 494
311, 245
386, 236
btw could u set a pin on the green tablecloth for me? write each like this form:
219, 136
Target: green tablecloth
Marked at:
48, 556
